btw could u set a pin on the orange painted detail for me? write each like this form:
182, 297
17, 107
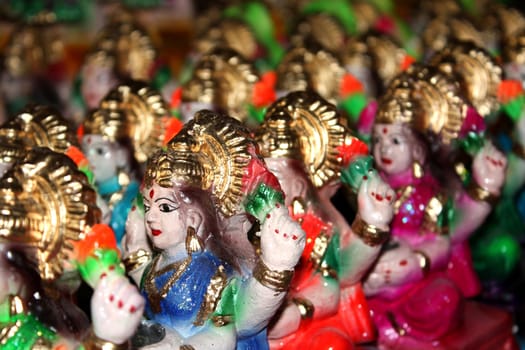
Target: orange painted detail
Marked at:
350, 85
508, 90
264, 90
100, 236
353, 149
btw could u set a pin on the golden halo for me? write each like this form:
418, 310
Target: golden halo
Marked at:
477, 71
47, 204
321, 131
141, 113
226, 149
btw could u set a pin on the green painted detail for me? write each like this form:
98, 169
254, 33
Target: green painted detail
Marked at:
340, 9
385, 6
142, 3
448, 216
261, 201
64, 10
100, 261
256, 114
332, 256
162, 77
5, 313
139, 203
257, 16
29, 332
228, 301
352, 175
89, 173
353, 105
469, 6
472, 143
514, 108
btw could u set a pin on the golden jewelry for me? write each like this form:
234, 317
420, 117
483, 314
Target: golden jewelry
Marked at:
370, 234
275, 280
321, 243
424, 261
193, 242
417, 170
92, 342
155, 295
478, 193
136, 259
305, 306
211, 299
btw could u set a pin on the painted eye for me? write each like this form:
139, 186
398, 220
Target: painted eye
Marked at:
166, 208
146, 208
396, 141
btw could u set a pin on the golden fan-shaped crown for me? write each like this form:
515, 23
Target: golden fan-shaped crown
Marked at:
311, 67
427, 99
443, 30
226, 150
142, 114
321, 131
277, 136
179, 164
321, 28
12, 145
478, 73
46, 205
44, 126
228, 33
514, 48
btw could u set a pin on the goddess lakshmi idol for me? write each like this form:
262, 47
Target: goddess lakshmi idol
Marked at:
306, 144
51, 237
418, 285
190, 277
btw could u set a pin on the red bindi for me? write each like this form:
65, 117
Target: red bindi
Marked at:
403, 262
151, 193
385, 130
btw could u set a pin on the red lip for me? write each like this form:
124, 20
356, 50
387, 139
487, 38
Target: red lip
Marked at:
156, 232
386, 161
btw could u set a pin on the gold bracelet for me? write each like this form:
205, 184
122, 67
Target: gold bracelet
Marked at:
370, 234
275, 280
92, 342
424, 261
478, 193
306, 308
136, 259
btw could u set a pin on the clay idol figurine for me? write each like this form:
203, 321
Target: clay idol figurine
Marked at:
423, 264
223, 80
480, 78
117, 138
246, 27
25, 60
305, 143
51, 236
122, 50
188, 275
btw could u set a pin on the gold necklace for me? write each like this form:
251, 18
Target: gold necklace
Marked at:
155, 295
